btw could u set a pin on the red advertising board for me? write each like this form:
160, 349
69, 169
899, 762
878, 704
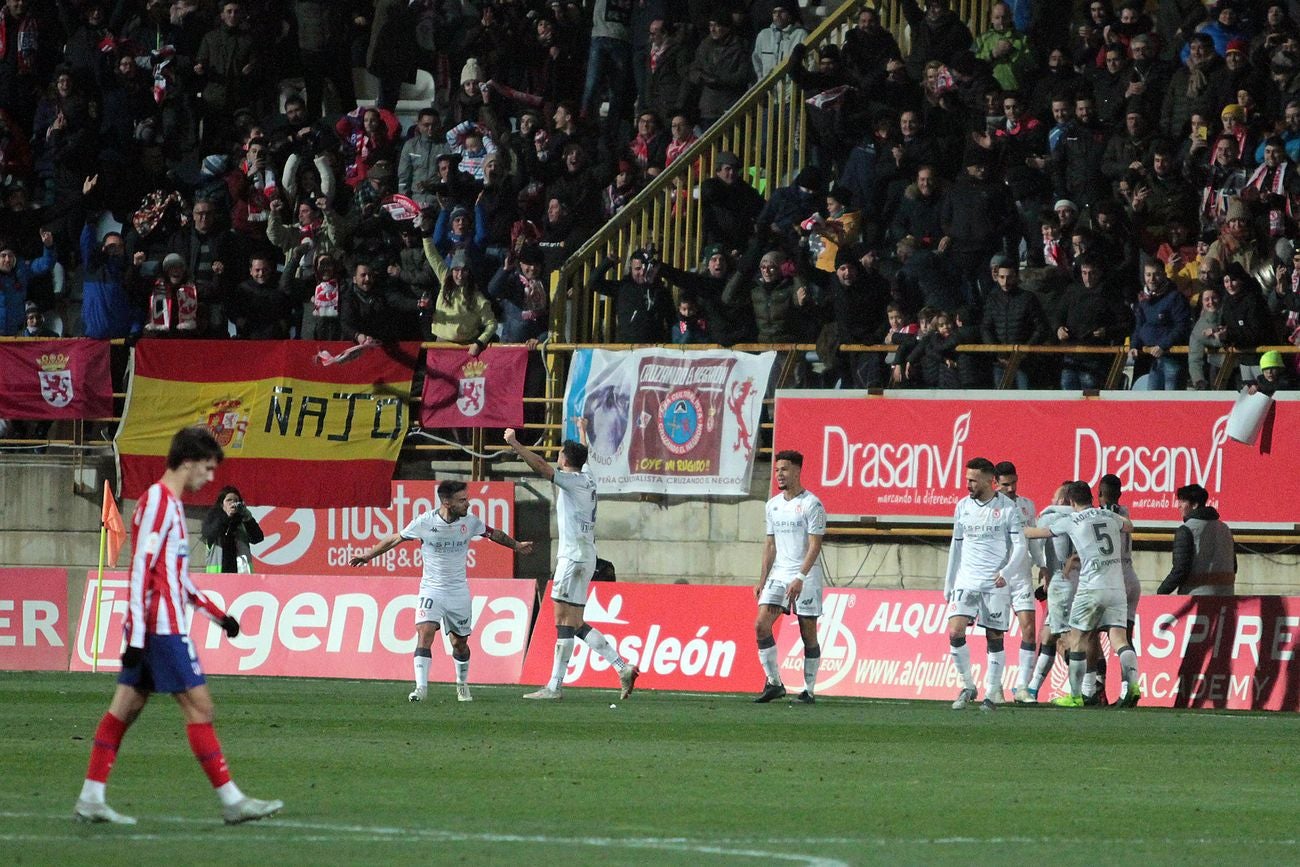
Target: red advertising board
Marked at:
325, 626
33, 619
1192, 651
905, 456
684, 637
318, 541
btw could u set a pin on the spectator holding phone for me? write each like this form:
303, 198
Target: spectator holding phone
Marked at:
230, 531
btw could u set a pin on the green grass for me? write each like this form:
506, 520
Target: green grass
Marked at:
664, 778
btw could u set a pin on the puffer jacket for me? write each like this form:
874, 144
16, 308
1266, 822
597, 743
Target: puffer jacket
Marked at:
1013, 317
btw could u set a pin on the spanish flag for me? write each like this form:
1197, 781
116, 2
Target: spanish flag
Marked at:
296, 432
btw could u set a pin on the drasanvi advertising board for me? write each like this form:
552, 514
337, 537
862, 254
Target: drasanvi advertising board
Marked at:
905, 457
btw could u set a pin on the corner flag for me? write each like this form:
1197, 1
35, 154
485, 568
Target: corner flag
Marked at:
111, 518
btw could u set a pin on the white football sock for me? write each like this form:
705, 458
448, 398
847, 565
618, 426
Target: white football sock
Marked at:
767, 658
961, 659
563, 650
93, 791
1027, 653
422, 664
462, 670
997, 662
229, 794
1128, 663
1078, 673
1041, 668
1089, 681
598, 643
810, 667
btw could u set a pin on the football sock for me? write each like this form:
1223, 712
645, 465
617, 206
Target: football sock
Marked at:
423, 659
1027, 652
597, 642
1078, 669
1043, 666
229, 794
462, 668
997, 662
812, 660
103, 752
563, 650
961, 659
767, 659
1128, 663
206, 748
1089, 679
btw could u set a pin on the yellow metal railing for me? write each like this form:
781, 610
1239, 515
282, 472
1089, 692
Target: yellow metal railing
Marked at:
767, 129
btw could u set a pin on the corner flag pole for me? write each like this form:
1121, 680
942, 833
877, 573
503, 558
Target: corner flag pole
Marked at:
99, 595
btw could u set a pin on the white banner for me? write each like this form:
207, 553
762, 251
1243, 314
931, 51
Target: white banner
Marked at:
669, 422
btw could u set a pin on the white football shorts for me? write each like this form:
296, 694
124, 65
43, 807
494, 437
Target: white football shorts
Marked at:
572, 579
1060, 596
450, 608
1099, 608
989, 608
809, 603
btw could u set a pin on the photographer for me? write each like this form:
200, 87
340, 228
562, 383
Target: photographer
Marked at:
229, 531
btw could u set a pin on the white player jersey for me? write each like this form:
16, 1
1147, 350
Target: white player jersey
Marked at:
1096, 534
444, 547
1021, 568
989, 533
790, 523
575, 514
1126, 545
1057, 549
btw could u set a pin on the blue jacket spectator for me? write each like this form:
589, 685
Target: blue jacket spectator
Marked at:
106, 310
15, 276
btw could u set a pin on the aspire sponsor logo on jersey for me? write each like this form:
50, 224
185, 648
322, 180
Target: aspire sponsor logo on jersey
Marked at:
677, 648
1153, 467
930, 467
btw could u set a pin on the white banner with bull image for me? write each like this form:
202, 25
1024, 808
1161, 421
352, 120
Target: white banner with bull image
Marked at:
669, 422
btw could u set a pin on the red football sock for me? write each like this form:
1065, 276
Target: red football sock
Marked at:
207, 749
103, 752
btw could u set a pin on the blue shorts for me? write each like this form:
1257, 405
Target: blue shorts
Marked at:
170, 665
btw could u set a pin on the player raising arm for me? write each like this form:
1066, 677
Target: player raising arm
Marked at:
575, 517
444, 536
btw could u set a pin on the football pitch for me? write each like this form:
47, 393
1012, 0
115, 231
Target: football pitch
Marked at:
663, 778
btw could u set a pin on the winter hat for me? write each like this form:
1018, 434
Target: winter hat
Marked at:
458, 211
31, 307
1234, 111
471, 71
727, 158
844, 256
173, 260
1065, 203
215, 165
843, 195
810, 178
1236, 271
710, 251
1271, 359
459, 259
1238, 45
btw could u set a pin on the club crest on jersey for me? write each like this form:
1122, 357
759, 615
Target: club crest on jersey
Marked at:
56, 379
472, 387
997, 513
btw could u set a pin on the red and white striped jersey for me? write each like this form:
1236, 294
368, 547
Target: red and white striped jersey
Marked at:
161, 590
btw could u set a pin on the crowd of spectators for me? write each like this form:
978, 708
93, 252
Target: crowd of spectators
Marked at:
1078, 174
206, 168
